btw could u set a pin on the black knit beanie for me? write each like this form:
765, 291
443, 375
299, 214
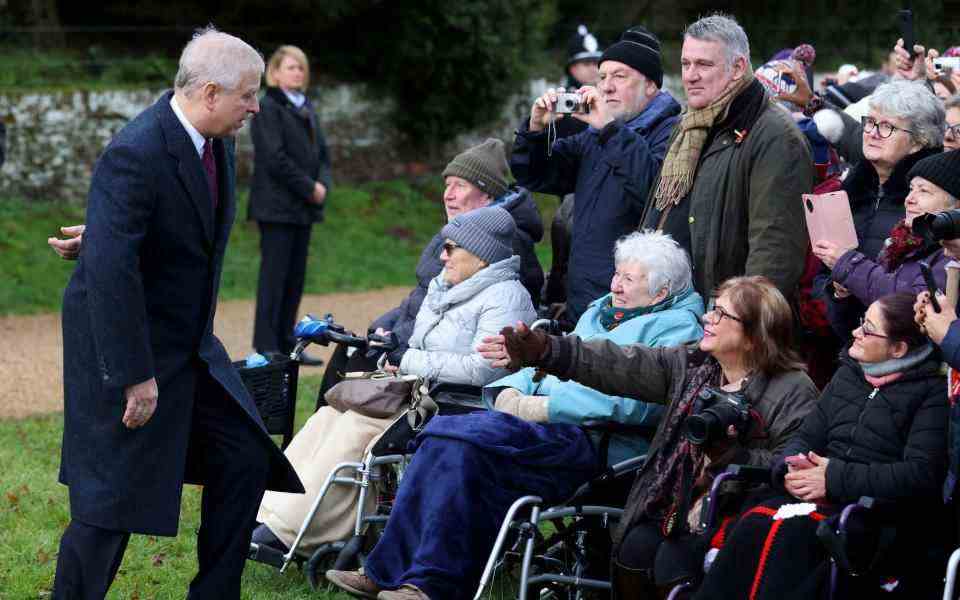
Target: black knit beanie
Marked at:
640, 49
942, 170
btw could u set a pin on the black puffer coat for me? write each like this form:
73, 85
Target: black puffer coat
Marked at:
519, 203
877, 208
888, 442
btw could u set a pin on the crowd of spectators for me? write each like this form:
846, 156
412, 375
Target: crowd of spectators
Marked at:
686, 274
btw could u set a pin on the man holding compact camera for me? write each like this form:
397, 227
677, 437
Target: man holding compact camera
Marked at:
610, 166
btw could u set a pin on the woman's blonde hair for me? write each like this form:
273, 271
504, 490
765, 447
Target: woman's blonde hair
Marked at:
282, 52
767, 321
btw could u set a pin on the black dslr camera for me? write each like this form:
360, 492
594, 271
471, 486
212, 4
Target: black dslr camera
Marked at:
934, 227
713, 413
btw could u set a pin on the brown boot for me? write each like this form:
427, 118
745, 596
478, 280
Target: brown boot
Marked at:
405, 592
354, 582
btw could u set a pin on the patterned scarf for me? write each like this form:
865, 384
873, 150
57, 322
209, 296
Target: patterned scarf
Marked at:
679, 463
901, 244
612, 316
680, 164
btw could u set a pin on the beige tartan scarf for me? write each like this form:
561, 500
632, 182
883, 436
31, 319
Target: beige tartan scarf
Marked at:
680, 164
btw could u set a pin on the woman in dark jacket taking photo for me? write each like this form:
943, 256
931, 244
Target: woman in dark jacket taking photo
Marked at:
879, 429
291, 181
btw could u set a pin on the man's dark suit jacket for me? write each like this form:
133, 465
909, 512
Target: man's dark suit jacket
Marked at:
141, 304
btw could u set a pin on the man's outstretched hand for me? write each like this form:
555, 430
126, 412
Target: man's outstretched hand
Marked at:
515, 348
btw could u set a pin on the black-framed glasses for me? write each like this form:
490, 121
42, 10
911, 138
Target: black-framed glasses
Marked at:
883, 128
953, 130
449, 247
867, 328
722, 312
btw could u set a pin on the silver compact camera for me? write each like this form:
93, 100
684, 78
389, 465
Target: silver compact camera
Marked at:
947, 63
569, 103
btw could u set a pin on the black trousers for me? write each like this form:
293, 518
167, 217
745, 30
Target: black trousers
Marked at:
228, 456
283, 268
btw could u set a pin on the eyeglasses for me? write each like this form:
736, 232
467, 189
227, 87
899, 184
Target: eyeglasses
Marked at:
884, 129
449, 247
721, 313
953, 130
867, 328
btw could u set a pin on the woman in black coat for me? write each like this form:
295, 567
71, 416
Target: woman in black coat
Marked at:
879, 429
291, 180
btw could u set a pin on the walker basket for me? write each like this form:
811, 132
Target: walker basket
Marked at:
273, 387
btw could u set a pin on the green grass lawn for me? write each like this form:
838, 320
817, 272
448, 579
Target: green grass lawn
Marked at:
372, 238
34, 511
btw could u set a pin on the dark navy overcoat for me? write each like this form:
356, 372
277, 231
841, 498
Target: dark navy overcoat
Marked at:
140, 304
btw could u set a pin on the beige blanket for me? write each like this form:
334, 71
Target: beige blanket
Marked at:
327, 439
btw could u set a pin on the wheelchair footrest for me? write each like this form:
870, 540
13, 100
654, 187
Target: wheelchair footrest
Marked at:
266, 555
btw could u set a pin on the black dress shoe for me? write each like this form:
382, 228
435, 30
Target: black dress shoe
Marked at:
310, 361
264, 537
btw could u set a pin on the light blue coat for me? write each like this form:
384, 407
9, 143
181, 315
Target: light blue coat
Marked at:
670, 323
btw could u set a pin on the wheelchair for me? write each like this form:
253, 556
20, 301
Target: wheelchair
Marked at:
380, 469
845, 569
561, 551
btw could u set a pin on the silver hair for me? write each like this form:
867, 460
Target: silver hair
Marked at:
913, 102
212, 56
666, 263
722, 28
952, 102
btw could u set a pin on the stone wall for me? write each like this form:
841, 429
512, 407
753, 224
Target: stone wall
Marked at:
54, 139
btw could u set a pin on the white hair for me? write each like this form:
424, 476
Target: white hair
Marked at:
666, 263
212, 56
724, 29
913, 102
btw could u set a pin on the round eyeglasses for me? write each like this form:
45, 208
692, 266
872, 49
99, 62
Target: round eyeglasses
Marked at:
883, 128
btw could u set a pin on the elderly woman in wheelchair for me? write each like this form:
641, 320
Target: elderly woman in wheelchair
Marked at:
476, 294
468, 469
736, 397
879, 429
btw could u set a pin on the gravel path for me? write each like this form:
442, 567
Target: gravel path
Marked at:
31, 372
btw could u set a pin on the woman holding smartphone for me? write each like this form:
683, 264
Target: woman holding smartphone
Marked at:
879, 429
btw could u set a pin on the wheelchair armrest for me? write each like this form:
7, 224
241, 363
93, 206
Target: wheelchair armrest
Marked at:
607, 429
833, 533
749, 473
456, 388
745, 473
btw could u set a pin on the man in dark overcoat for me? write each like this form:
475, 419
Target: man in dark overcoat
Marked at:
151, 400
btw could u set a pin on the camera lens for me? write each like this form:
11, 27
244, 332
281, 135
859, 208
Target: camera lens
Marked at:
569, 104
698, 427
938, 226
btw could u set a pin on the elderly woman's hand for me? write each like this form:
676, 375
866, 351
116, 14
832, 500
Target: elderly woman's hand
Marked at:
515, 348
934, 324
809, 484
529, 408
828, 252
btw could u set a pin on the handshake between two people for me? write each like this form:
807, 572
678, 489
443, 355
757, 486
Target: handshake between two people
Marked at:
515, 348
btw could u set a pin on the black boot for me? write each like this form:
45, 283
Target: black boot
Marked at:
264, 537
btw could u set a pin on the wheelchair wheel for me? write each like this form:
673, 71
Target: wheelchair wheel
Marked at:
321, 561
